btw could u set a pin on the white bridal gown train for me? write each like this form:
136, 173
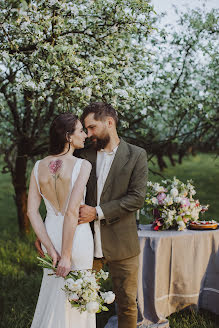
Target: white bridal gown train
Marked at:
53, 310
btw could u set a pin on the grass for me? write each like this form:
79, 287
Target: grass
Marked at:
20, 277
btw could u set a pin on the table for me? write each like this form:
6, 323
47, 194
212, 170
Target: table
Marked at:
177, 269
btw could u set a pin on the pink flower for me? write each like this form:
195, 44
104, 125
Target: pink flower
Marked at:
159, 224
161, 197
185, 202
185, 220
54, 166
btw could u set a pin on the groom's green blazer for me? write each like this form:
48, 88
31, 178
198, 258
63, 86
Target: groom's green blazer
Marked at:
123, 194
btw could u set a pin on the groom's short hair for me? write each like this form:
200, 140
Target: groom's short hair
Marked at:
101, 111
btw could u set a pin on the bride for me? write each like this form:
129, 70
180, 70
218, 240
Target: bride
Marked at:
60, 179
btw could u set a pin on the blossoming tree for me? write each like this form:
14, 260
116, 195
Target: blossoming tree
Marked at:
57, 55
181, 88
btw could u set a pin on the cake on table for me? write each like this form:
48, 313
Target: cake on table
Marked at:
210, 224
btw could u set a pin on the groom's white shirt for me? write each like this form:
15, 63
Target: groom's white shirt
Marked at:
103, 165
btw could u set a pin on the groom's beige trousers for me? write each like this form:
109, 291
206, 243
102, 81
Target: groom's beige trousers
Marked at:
124, 275
125, 280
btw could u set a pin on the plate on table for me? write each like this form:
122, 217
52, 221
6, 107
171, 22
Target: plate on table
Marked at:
202, 225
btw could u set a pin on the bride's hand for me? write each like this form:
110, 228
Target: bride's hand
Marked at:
64, 267
54, 255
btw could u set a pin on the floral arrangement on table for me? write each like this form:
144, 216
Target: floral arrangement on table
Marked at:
172, 204
83, 287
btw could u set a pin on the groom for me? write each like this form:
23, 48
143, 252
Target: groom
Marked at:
115, 191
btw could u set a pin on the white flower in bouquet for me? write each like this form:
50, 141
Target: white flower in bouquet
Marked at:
173, 205
175, 182
174, 192
90, 280
177, 199
195, 214
74, 285
108, 297
103, 274
82, 287
181, 224
74, 297
171, 215
87, 296
154, 200
192, 192
168, 200
92, 307
158, 188
191, 189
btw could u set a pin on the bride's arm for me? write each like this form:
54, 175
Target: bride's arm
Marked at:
71, 218
33, 204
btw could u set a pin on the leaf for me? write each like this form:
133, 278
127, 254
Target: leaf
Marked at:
104, 308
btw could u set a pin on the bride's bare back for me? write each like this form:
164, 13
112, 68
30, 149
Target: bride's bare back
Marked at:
55, 180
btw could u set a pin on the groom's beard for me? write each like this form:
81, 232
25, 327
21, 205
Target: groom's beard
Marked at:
100, 143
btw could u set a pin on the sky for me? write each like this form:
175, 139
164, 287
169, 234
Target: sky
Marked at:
166, 5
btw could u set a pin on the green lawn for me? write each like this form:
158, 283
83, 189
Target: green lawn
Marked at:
20, 276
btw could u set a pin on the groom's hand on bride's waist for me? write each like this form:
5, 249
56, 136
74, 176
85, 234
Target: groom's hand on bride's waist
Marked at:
86, 214
38, 247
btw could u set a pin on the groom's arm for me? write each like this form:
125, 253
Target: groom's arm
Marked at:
135, 196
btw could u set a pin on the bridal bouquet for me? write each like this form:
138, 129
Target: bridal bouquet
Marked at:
172, 204
82, 288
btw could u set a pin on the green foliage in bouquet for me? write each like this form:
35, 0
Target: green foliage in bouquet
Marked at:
83, 287
172, 204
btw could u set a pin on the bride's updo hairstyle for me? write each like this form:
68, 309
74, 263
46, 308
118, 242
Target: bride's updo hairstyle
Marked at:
60, 130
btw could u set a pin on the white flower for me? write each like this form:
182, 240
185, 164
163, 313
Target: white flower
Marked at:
158, 188
86, 295
122, 93
192, 192
30, 84
181, 225
103, 274
92, 307
154, 200
108, 297
88, 92
174, 192
170, 214
195, 213
168, 200
52, 2
24, 25
184, 193
74, 297
74, 285
177, 199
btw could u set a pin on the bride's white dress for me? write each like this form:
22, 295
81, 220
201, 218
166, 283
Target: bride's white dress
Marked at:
53, 310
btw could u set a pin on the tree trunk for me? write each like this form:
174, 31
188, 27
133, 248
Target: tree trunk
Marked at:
20, 187
161, 163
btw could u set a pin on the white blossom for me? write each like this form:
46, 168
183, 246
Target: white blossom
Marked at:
174, 192
122, 93
92, 307
168, 200
108, 297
